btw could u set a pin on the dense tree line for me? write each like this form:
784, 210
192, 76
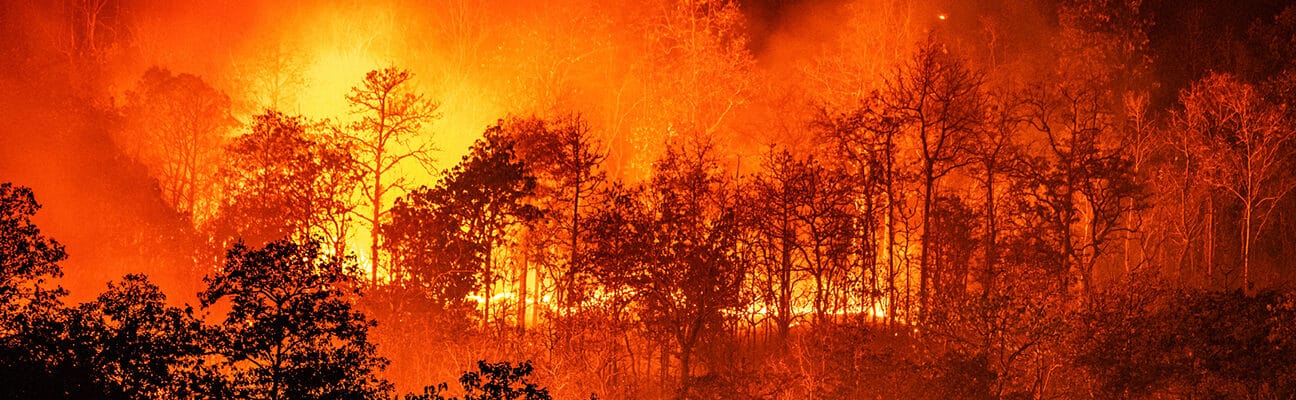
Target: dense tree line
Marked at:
1033, 225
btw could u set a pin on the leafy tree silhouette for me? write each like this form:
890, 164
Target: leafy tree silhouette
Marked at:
286, 179
29, 258
30, 313
291, 331
491, 381
137, 346
445, 238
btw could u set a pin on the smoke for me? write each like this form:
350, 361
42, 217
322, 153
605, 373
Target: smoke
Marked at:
641, 73
69, 64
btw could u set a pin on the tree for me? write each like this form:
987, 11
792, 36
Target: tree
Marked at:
937, 100
671, 248
282, 180
492, 381
29, 258
806, 230
865, 141
31, 357
566, 160
137, 345
1248, 149
994, 152
771, 209
474, 210
291, 331
1082, 182
175, 125
392, 115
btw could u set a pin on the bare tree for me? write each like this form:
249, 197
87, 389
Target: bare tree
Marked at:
176, 126
865, 140
1081, 180
286, 180
392, 115
937, 99
1248, 150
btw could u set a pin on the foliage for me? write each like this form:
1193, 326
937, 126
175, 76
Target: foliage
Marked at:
29, 259
137, 345
291, 330
31, 323
1208, 344
392, 113
444, 239
175, 125
491, 381
285, 180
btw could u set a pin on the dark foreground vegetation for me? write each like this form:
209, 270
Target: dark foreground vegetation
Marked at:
285, 328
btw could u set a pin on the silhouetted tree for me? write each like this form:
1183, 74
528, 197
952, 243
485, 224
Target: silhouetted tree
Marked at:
866, 141
392, 114
804, 215
566, 159
32, 363
175, 125
472, 212
491, 381
671, 248
937, 100
771, 209
291, 331
1081, 182
994, 152
283, 180
137, 345
29, 259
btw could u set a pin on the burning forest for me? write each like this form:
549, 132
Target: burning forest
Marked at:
662, 199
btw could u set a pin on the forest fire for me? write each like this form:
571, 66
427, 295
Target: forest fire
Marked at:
663, 199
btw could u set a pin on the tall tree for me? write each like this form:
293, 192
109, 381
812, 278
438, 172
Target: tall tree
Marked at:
1248, 145
770, 211
566, 159
285, 179
392, 114
994, 152
938, 101
1081, 181
175, 125
291, 331
30, 317
475, 209
29, 257
866, 141
671, 247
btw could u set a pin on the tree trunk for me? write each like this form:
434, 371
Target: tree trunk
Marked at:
1247, 210
991, 251
925, 271
376, 222
522, 284
685, 371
